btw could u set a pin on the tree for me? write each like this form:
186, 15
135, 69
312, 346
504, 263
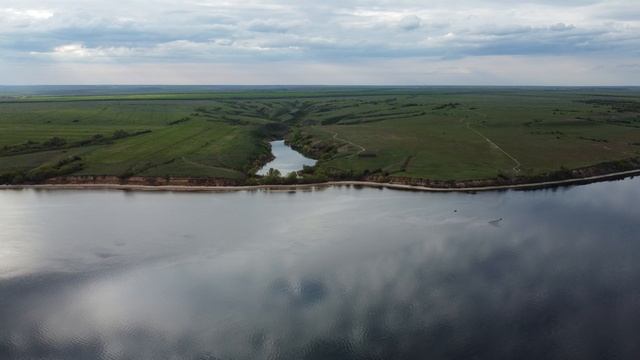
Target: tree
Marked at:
291, 178
273, 173
272, 177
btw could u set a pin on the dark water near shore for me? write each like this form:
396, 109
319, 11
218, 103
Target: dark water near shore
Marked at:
339, 273
286, 160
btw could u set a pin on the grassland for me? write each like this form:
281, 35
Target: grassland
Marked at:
442, 134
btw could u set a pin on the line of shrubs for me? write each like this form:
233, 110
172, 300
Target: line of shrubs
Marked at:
62, 167
311, 175
55, 143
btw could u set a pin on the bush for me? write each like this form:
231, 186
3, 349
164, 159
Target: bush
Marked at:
53, 142
291, 178
119, 134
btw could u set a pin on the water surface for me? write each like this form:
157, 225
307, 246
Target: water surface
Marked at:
339, 273
287, 160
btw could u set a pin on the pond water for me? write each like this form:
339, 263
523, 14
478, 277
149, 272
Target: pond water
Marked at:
287, 160
334, 273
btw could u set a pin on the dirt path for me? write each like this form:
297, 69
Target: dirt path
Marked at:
362, 149
516, 168
191, 162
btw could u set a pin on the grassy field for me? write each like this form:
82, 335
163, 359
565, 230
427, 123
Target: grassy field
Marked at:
426, 133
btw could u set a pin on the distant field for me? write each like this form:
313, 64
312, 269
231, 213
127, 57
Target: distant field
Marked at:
429, 133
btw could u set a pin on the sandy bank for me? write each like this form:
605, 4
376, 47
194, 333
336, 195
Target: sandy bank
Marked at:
396, 186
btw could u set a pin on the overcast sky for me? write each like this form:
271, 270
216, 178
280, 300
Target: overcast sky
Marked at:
405, 42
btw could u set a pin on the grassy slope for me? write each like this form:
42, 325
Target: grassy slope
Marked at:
423, 133
198, 147
539, 130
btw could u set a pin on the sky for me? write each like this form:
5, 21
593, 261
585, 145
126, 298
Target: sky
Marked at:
323, 42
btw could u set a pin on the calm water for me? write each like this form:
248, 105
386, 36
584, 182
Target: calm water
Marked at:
340, 273
286, 159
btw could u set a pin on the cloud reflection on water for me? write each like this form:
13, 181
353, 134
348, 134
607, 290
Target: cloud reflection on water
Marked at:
343, 273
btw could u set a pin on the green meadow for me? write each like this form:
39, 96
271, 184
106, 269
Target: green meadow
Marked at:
426, 133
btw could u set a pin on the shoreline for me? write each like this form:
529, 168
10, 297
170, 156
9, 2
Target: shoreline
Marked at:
295, 187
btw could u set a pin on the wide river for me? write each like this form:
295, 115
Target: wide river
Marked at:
335, 273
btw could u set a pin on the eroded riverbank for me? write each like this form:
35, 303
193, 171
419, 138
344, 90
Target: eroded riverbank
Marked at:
200, 185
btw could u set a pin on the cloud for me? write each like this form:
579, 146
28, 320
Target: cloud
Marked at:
410, 22
268, 26
561, 27
346, 31
12, 14
78, 51
482, 70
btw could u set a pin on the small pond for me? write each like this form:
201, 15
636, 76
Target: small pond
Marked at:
286, 159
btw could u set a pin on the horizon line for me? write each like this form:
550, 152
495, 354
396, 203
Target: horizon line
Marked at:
319, 85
